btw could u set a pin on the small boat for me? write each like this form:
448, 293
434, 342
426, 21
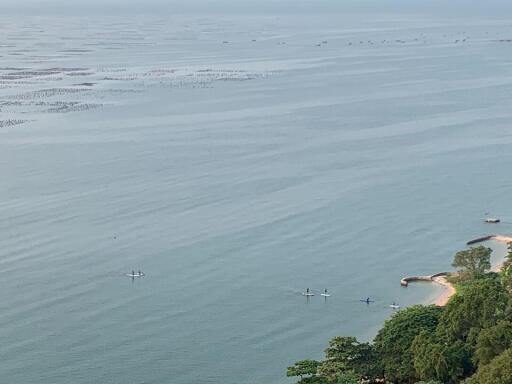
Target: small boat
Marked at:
138, 274
492, 220
307, 294
394, 306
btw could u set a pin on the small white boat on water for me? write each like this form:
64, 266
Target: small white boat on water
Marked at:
492, 220
135, 274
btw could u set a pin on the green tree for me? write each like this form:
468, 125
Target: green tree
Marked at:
360, 358
493, 341
508, 259
498, 371
429, 382
480, 304
458, 360
433, 360
336, 372
349, 377
303, 368
393, 342
473, 262
428, 360
506, 270
506, 278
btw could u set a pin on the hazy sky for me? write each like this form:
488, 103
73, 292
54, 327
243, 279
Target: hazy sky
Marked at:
240, 6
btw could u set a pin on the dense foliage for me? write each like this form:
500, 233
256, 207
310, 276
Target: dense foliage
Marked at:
473, 262
468, 341
393, 342
498, 371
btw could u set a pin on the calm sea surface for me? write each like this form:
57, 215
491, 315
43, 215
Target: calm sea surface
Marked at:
236, 160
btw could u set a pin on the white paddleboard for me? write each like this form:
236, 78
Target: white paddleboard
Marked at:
325, 295
307, 294
136, 275
394, 306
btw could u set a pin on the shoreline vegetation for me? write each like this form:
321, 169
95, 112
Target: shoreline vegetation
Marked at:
463, 337
449, 288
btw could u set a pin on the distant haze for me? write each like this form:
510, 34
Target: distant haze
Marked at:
454, 7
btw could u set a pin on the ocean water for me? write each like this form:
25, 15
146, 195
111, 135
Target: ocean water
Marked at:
236, 160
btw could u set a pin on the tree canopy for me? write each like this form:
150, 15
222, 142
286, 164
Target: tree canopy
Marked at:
498, 371
480, 304
473, 262
506, 274
436, 360
492, 341
393, 342
357, 357
303, 368
346, 361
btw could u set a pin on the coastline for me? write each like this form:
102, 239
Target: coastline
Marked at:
449, 289
502, 239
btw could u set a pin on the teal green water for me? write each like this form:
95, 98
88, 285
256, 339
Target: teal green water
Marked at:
235, 173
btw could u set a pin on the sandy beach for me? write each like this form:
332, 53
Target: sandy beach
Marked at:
503, 238
447, 293
449, 290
